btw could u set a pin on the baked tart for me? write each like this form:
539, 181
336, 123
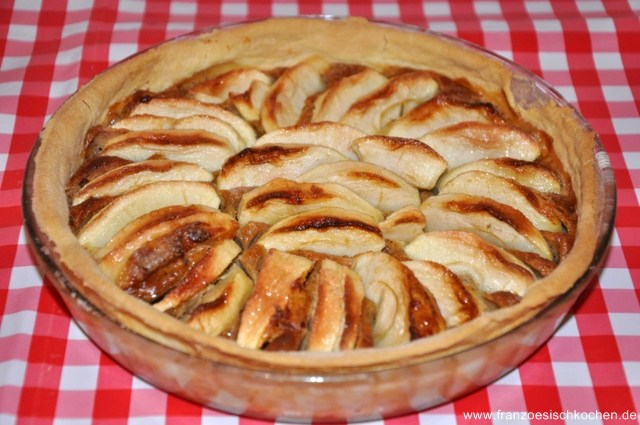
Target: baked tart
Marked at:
266, 198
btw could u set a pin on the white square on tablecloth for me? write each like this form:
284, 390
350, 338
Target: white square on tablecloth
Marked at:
624, 126
284, 9
71, 56
79, 377
547, 25
597, 25
131, 6
75, 28
617, 94
615, 278
20, 32
12, 372
437, 419
632, 372
63, 88
10, 63
119, 51
573, 374
19, 323
335, 9
535, 7
553, 61
625, 323
24, 277
436, 8
75, 5
177, 8
590, 6
569, 328
487, 8
31, 5
234, 9
608, 60
387, 10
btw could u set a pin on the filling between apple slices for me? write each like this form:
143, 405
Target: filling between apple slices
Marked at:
321, 206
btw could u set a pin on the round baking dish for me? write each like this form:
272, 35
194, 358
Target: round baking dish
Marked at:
357, 385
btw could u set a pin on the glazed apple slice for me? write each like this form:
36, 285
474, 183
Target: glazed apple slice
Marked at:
471, 141
489, 268
380, 187
411, 159
538, 209
182, 107
398, 96
257, 165
333, 103
495, 222
194, 146
228, 84
334, 231
438, 113
99, 230
329, 134
403, 225
278, 307
281, 198
532, 175
218, 309
144, 122
288, 95
457, 303
127, 177
337, 308
249, 104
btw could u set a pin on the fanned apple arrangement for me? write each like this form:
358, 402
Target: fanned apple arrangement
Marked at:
321, 206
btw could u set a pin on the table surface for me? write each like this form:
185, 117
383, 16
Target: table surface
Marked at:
588, 50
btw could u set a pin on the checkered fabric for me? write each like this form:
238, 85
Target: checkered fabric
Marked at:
588, 50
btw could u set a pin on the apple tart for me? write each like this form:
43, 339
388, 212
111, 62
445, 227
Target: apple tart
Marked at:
321, 204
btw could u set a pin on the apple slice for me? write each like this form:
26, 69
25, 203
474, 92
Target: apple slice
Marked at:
144, 122
288, 95
532, 175
333, 103
457, 303
398, 96
497, 223
281, 198
471, 141
219, 307
337, 308
99, 230
275, 314
329, 134
411, 159
438, 113
403, 225
249, 104
228, 84
331, 230
127, 177
538, 209
214, 262
194, 146
183, 107
257, 165
380, 187
489, 268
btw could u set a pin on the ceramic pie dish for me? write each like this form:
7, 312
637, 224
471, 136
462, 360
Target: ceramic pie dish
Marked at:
318, 219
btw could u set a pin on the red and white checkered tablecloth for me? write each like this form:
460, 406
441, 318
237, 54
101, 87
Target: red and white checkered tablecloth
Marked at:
589, 50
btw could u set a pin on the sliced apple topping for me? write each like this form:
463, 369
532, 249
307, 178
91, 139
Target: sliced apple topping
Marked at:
218, 309
249, 104
405, 309
124, 178
194, 146
257, 165
528, 174
144, 122
471, 141
276, 312
281, 198
329, 134
495, 222
333, 103
215, 259
380, 187
182, 107
132, 204
411, 159
538, 209
457, 303
440, 112
337, 309
228, 84
398, 96
174, 223
331, 230
489, 268
403, 225
288, 96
